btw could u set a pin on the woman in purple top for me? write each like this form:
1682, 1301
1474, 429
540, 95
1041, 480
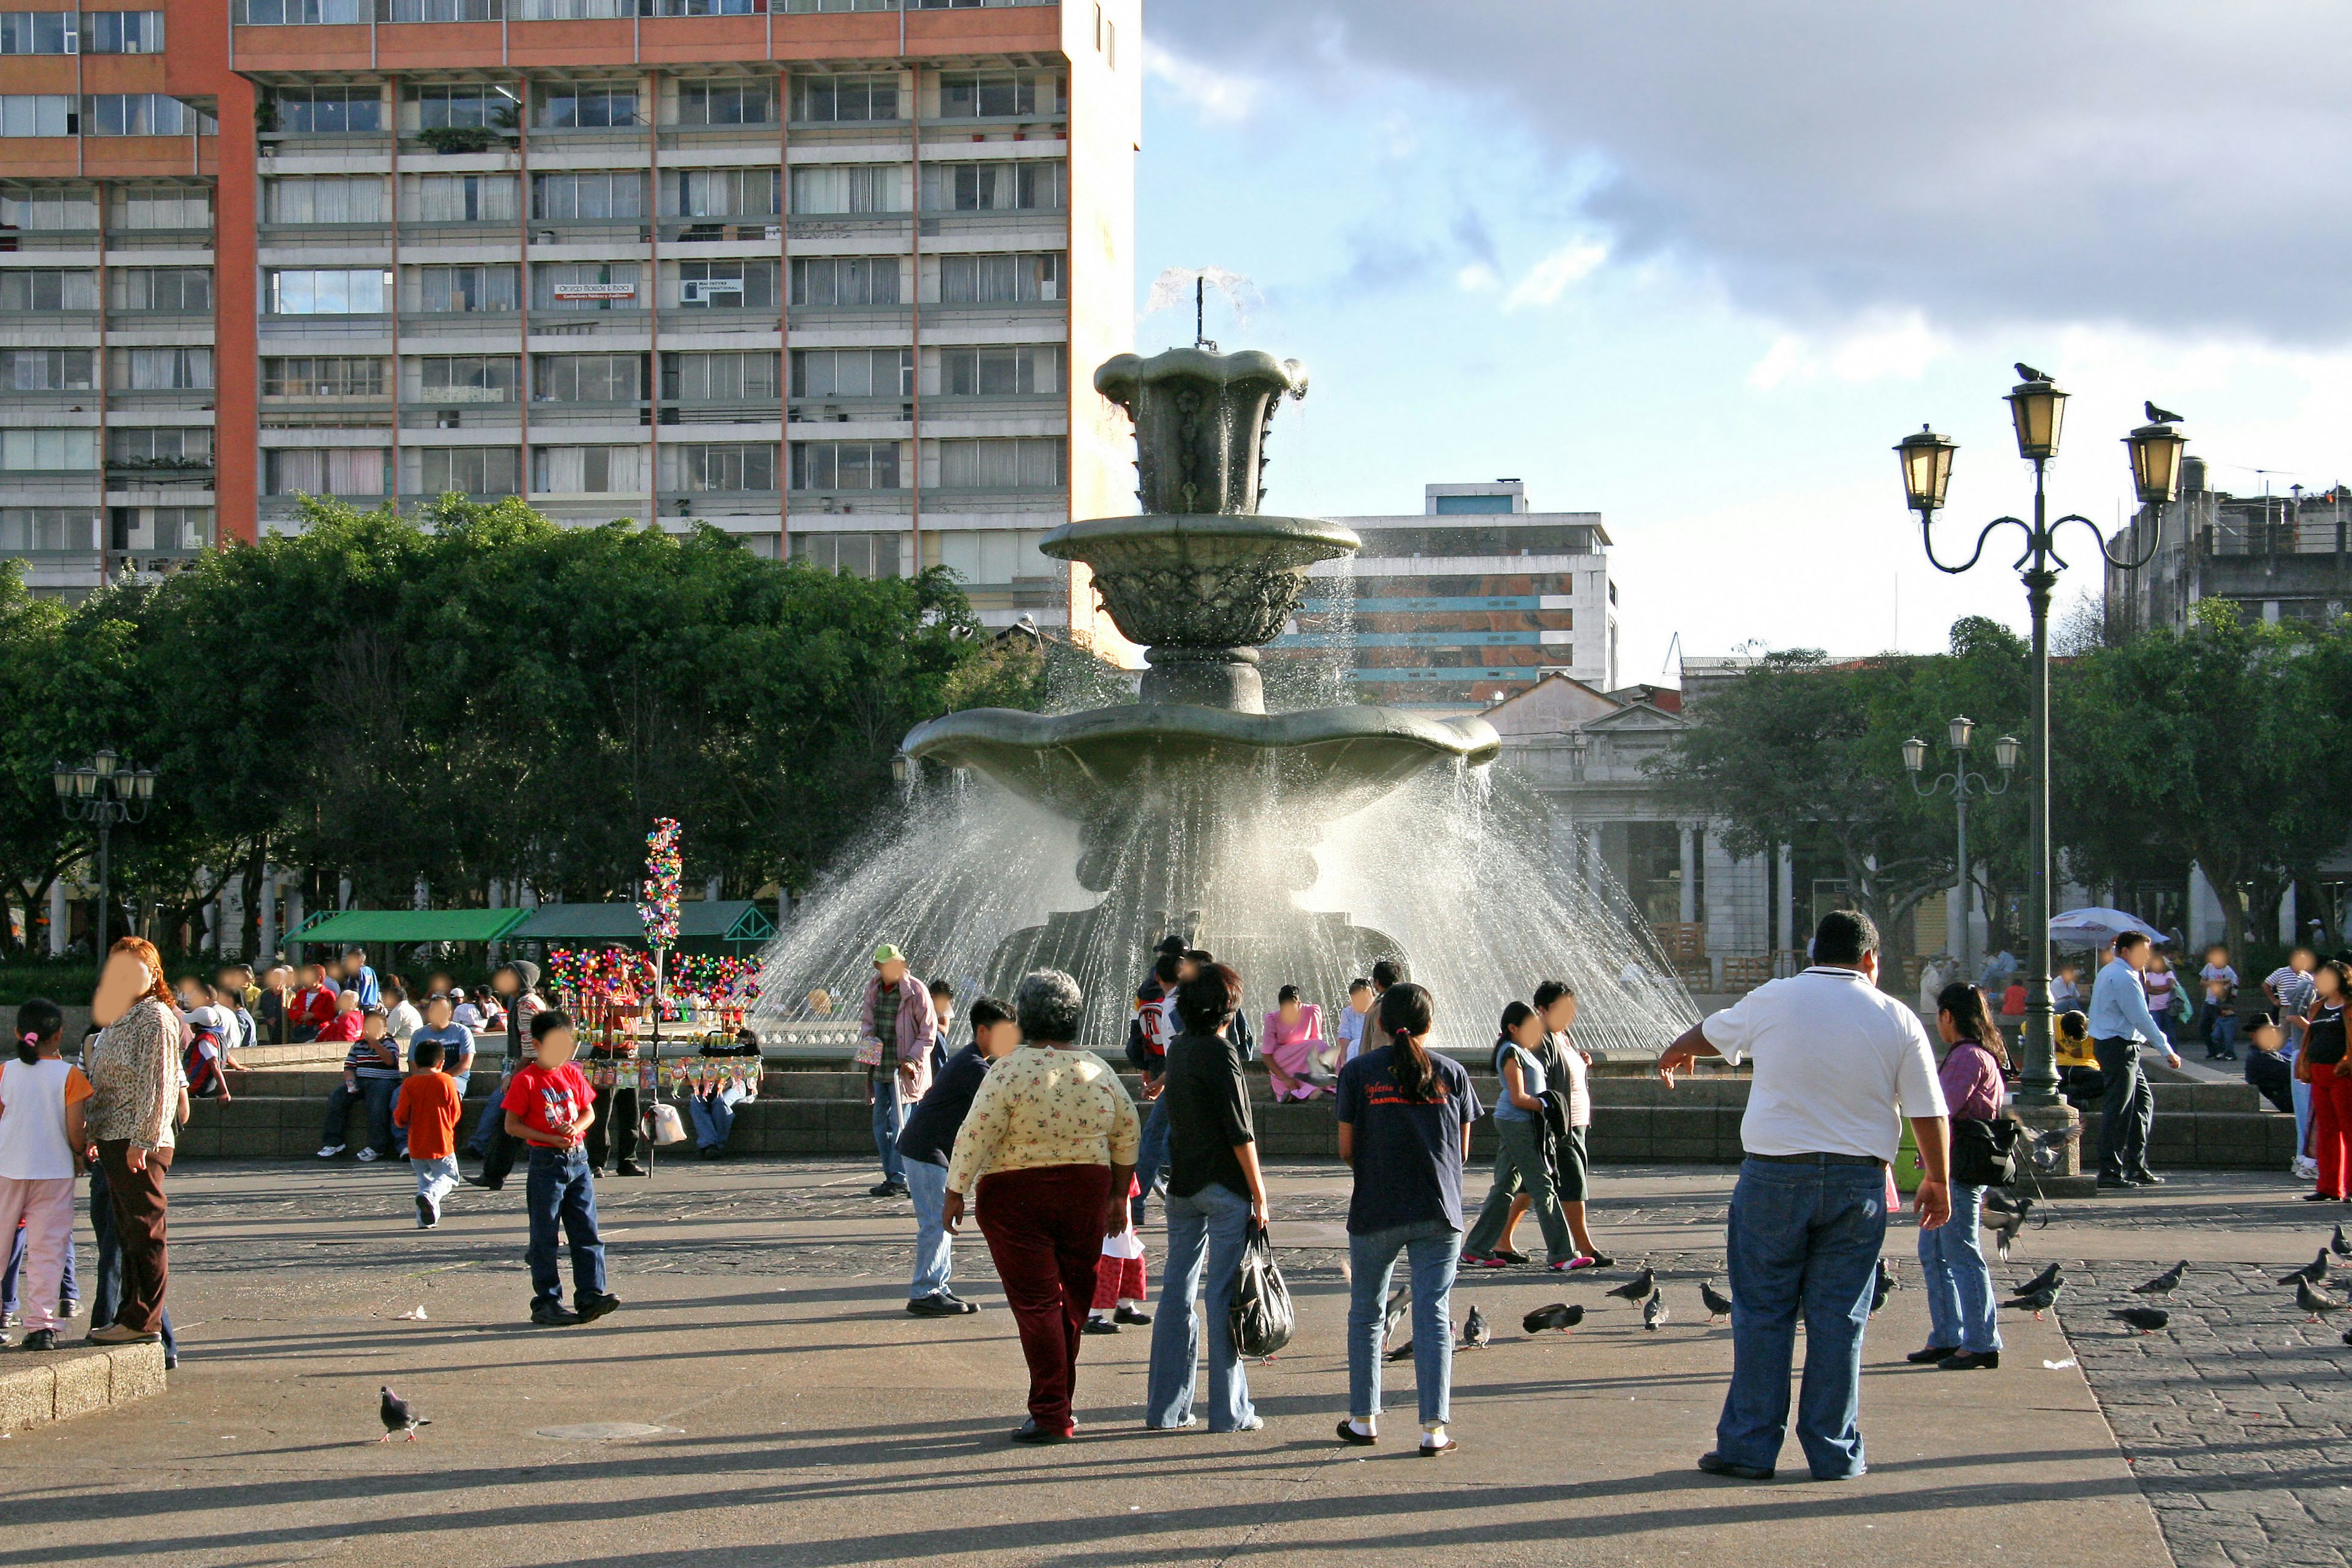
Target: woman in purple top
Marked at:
1962, 1332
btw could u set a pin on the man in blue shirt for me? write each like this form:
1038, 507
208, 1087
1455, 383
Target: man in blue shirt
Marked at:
357, 973
928, 1142
2120, 1023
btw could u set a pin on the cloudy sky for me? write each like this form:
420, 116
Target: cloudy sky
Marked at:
1697, 266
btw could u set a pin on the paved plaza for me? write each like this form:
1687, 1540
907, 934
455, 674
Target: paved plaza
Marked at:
779, 1407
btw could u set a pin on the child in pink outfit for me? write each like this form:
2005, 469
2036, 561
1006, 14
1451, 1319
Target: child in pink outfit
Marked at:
41, 1127
1293, 1044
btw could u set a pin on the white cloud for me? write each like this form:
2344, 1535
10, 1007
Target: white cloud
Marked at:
1213, 94
1895, 348
1477, 278
1548, 279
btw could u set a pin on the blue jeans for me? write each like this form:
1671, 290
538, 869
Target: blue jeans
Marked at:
2302, 1096
561, 1192
713, 1115
889, 1121
377, 1094
934, 1248
436, 1179
1432, 1250
491, 1122
1802, 1236
1150, 1156
1961, 1309
68, 1290
107, 1294
1210, 1225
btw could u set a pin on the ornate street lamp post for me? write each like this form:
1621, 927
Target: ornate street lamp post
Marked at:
102, 792
2037, 409
1965, 786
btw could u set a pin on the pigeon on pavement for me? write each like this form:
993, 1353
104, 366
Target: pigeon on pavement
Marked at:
2312, 1272
1476, 1334
2054, 1275
1654, 1311
1881, 1288
2339, 1245
2164, 1284
2319, 1303
2037, 1301
398, 1417
2147, 1320
2160, 415
1638, 1287
1718, 1305
2007, 1230
1558, 1315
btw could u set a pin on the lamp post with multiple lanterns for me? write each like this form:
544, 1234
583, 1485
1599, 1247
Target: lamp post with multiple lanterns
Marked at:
1965, 786
102, 792
2037, 409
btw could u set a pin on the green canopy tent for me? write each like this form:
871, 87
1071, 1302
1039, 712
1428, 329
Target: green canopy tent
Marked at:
735, 924
386, 928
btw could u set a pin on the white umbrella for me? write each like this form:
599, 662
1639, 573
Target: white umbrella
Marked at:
2098, 926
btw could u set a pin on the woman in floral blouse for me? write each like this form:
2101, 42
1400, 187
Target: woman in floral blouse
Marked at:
136, 1082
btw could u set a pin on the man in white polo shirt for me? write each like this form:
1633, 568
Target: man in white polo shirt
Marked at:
1838, 1065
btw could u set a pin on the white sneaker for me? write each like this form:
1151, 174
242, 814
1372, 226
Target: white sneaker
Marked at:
2306, 1167
330, 1151
366, 1156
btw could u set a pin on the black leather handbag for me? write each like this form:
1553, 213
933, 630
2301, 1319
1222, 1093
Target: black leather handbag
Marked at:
1984, 1154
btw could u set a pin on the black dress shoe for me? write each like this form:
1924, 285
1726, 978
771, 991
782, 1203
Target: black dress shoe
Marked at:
1348, 1434
1973, 1361
934, 1306
2144, 1179
1716, 1464
1099, 1326
1030, 1432
2113, 1184
1932, 1353
887, 1190
630, 1168
595, 1305
553, 1315
1129, 1315
484, 1183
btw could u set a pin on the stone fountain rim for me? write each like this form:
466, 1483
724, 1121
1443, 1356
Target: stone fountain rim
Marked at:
1468, 738
1064, 542
1205, 365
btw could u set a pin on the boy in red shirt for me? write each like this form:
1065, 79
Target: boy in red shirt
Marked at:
550, 1106
428, 1108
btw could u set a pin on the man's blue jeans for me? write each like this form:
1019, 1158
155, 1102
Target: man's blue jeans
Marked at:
714, 1115
889, 1120
377, 1094
1960, 1309
1211, 1225
1803, 1236
562, 1193
107, 1294
1432, 1250
1150, 1156
934, 1248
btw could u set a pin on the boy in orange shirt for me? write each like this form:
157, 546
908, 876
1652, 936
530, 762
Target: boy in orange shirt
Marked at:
427, 1107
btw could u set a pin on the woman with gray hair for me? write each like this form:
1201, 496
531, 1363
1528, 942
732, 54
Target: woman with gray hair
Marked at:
1049, 1144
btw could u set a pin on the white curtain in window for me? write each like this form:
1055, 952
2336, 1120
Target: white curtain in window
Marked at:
355, 470
327, 199
589, 470
846, 188
48, 449
297, 470
465, 198
170, 208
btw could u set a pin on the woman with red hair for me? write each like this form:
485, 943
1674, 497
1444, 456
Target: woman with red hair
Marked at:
134, 1072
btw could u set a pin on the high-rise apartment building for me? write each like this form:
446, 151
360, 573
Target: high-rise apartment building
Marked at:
829, 275
1473, 599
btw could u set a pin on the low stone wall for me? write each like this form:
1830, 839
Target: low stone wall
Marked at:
58, 1385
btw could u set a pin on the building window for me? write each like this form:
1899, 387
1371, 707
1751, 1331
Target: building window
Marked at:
1015, 280
459, 291
442, 105
467, 470
326, 199
48, 208
462, 198
36, 114
831, 100
1022, 463
726, 285
845, 465
993, 555
328, 291
853, 373
701, 7
37, 32
326, 376
585, 286
439, 11
464, 378
24, 529
577, 106
733, 466
588, 471
588, 378
47, 369
163, 446
718, 377
587, 198
1001, 372
857, 555
326, 470
180, 529
162, 206
1032, 185
575, 10
328, 111
998, 95
843, 189
179, 290
160, 370
307, 12
44, 289
122, 33
846, 280
728, 102
54, 451
726, 193
142, 114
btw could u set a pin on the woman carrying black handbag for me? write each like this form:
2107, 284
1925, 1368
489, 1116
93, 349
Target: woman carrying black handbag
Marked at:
1963, 1335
